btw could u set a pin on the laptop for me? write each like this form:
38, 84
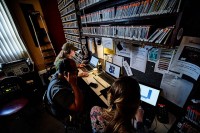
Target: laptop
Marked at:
111, 73
149, 98
92, 64
149, 95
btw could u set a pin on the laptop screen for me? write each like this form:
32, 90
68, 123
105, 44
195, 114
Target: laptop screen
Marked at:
149, 94
112, 69
94, 61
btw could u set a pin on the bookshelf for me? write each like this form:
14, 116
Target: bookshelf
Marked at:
125, 16
70, 20
190, 121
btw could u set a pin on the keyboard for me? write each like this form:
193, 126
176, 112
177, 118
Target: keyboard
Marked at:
149, 114
101, 81
109, 80
89, 68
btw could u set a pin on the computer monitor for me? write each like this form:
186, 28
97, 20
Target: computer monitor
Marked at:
94, 61
149, 94
112, 69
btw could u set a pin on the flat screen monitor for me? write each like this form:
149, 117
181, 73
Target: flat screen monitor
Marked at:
149, 94
112, 69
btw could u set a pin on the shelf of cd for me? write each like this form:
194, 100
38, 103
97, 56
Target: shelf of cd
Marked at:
84, 6
192, 121
140, 43
136, 19
104, 4
72, 34
69, 18
73, 40
67, 10
63, 4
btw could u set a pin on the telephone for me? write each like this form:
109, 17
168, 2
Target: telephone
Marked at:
162, 114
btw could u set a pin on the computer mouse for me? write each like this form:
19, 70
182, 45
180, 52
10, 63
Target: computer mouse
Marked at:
94, 85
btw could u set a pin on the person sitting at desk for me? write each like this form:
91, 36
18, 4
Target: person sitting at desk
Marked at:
68, 51
124, 100
63, 89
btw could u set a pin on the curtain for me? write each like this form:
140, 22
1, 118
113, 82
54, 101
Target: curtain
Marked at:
11, 45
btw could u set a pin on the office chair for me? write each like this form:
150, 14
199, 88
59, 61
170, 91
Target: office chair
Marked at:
12, 98
69, 121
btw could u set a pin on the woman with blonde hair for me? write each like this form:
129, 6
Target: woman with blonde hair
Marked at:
68, 52
124, 101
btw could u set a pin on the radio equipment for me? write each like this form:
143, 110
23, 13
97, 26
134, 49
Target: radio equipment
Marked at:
15, 68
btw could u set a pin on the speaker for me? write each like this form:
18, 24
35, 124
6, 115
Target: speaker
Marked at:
15, 68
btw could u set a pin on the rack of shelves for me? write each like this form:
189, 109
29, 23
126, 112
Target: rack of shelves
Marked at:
157, 13
191, 121
70, 20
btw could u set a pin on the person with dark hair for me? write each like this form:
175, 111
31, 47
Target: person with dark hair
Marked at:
68, 51
124, 101
63, 90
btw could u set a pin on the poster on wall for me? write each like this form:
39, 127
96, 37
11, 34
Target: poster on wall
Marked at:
175, 89
126, 50
187, 58
139, 58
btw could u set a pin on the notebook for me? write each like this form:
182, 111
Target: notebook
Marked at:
149, 94
92, 64
149, 98
111, 73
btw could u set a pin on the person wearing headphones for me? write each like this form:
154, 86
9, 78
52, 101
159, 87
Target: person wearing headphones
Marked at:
63, 91
68, 51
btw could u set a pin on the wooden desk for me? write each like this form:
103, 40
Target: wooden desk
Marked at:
97, 90
159, 127
163, 128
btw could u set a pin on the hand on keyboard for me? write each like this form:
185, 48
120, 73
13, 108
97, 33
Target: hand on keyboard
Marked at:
139, 114
83, 74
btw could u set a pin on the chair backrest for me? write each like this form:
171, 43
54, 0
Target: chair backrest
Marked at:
53, 110
12, 95
11, 87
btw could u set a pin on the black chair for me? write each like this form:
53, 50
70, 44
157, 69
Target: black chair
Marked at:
12, 98
69, 120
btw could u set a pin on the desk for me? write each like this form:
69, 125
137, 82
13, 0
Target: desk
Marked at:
159, 127
97, 90
163, 128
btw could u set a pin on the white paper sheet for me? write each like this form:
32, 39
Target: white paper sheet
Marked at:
175, 89
100, 51
118, 60
138, 59
126, 51
127, 68
187, 58
107, 42
91, 45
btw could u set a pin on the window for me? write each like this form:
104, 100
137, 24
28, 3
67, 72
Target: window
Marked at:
11, 45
